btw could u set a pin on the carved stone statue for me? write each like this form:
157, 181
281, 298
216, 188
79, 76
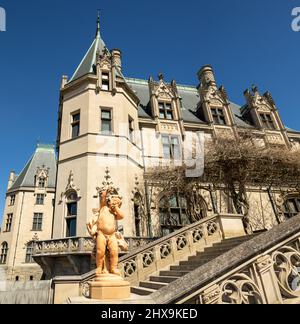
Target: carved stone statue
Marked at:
102, 227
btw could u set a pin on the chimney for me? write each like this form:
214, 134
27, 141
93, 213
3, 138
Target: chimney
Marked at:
117, 58
11, 179
64, 81
206, 76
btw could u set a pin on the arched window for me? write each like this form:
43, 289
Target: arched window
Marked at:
29, 253
4, 251
71, 218
292, 207
173, 214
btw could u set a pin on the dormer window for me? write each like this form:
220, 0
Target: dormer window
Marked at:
105, 81
267, 121
42, 183
218, 116
165, 111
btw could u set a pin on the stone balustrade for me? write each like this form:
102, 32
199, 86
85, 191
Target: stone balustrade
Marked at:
79, 245
264, 270
141, 262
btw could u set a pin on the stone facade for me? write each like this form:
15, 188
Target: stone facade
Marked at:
127, 125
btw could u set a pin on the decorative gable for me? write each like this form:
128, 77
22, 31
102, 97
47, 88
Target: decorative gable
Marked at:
264, 103
161, 90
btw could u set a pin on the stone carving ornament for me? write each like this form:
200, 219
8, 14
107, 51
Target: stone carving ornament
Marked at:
287, 269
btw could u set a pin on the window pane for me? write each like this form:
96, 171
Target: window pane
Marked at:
184, 218
75, 130
222, 120
105, 76
106, 114
175, 217
166, 140
161, 106
169, 115
162, 114
166, 152
175, 140
76, 118
105, 86
174, 202
71, 227
72, 209
106, 126
168, 106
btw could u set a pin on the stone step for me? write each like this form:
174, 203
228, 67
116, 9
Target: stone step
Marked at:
210, 255
212, 250
142, 291
175, 273
165, 279
187, 268
197, 263
153, 285
230, 243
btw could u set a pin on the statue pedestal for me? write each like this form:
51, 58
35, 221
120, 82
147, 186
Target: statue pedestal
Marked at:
108, 287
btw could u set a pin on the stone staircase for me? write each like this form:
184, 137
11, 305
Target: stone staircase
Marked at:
164, 277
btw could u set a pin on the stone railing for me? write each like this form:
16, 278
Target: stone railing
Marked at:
141, 263
264, 270
79, 245
161, 253
138, 265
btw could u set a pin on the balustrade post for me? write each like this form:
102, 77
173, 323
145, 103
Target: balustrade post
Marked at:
81, 244
69, 245
174, 248
268, 280
157, 256
190, 240
139, 266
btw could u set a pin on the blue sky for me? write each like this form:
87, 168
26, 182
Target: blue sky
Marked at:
246, 42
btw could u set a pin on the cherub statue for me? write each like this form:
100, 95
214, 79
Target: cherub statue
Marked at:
102, 227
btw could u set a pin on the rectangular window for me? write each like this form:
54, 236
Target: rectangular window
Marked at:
12, 200
218, 116
40, 199
29, 253
37, 222
106, 121
105, 81
8, 223
131, 129
71, 227
171, 147
42, 183
267, 121
75, 125
165, 111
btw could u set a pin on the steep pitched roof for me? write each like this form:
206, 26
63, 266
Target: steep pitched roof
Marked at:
88, 62
44, 156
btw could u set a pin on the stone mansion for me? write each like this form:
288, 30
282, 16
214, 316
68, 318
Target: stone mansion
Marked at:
112, 128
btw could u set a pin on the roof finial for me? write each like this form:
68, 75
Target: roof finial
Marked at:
98, 24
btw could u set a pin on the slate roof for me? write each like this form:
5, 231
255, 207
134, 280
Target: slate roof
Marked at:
190, 100
189, 94
88, 63
44, 156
